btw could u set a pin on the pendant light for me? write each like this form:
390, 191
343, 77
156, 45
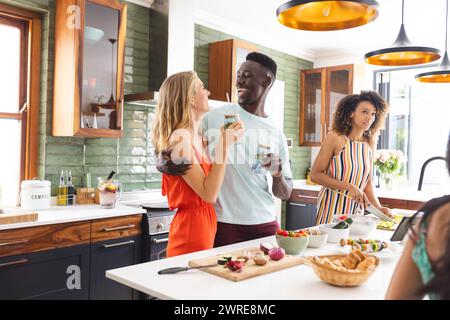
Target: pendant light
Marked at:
402, 52
323, 15
442, 75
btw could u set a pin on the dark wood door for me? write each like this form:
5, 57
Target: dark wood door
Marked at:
53, 274
112, 254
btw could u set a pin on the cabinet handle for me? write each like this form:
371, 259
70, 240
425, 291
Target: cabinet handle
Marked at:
119, 228
118, 244
14, 242
158, 241
297, 204
13, 263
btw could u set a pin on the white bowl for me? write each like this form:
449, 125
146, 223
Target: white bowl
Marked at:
362, 225
334, 235
318, 240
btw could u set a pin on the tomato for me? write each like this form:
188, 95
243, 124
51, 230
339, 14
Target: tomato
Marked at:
284, 233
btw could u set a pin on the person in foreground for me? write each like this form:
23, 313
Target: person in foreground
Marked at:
344, 164
245, 207
182, 102
424, 267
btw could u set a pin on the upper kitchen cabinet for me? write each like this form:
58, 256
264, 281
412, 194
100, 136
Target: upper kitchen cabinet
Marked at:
321, 90
225, 57
89, 68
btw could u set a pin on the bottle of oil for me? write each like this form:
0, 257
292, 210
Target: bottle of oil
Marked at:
70, 189
62, 191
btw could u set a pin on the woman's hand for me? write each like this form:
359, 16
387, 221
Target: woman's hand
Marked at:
233, 133
358, 195
386, 211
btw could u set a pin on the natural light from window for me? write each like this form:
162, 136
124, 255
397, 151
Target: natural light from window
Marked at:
10, 143
419, 125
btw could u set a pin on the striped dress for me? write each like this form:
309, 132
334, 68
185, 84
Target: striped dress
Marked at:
353, 164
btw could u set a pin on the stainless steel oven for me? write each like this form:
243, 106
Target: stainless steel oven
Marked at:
155, 230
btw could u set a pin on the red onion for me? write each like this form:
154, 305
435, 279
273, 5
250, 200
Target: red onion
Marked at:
276, 253
265, 247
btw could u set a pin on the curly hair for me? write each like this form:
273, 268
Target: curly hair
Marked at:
342, 122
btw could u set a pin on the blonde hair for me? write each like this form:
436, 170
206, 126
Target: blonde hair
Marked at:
173, 109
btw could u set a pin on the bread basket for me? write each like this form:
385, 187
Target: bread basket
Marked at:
340, 278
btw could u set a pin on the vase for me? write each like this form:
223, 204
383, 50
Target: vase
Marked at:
387, 181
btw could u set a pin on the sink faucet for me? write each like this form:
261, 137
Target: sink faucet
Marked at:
422, 171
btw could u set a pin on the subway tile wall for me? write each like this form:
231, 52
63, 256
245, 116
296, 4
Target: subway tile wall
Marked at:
131, 156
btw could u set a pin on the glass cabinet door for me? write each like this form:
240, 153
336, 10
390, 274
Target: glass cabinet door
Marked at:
100, 61
339, 85
312, 103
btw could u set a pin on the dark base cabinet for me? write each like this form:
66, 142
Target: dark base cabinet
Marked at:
299, 216
53, 274
108, 255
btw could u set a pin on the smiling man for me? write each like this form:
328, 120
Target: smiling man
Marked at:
245, 208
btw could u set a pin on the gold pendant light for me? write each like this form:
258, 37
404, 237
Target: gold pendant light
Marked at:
442, 74
323, 15
402, 52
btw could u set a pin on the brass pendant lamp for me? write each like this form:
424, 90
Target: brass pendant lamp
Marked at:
442, 75
402, 52
323, 15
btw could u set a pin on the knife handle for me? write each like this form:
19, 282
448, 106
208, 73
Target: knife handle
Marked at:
173, 270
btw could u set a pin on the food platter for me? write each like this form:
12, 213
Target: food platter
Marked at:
393, 250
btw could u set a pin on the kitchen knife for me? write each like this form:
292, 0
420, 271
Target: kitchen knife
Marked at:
179, 269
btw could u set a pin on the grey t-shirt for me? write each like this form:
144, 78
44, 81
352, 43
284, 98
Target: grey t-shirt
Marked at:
245, 197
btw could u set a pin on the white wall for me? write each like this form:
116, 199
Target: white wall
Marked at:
181, 36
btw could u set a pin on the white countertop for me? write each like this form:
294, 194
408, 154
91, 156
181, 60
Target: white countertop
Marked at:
299, 283
402, 193
73, 213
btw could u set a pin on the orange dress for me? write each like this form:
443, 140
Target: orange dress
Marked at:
194, 225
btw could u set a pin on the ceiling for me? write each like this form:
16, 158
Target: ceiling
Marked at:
255, 20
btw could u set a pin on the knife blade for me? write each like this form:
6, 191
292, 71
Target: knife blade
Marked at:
180, 269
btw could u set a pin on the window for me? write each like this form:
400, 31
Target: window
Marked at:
418, 124
19, 106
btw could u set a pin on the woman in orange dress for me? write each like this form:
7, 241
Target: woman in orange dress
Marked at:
183, 101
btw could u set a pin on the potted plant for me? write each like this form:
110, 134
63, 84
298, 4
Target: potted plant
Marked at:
388, 164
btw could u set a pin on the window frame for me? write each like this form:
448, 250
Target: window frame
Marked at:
31, 27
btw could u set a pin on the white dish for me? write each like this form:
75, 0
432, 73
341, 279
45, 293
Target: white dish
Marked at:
362, 225
393, 250
334, 235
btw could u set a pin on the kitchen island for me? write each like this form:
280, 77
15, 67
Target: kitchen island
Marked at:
298, 283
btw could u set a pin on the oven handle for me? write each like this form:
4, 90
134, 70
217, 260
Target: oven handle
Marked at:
158, 241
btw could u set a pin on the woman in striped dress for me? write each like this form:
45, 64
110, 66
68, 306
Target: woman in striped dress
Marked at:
345, 161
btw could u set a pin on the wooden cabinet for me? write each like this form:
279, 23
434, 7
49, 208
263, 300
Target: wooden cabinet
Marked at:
116, 243
89, 68
39, 262
41, 238
46, 274
225, 57
321, 90
112, 254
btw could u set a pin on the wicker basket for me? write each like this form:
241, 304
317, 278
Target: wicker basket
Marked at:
340, 278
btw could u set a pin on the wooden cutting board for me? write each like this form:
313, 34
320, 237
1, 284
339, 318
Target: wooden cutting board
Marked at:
6, 218
250, 270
